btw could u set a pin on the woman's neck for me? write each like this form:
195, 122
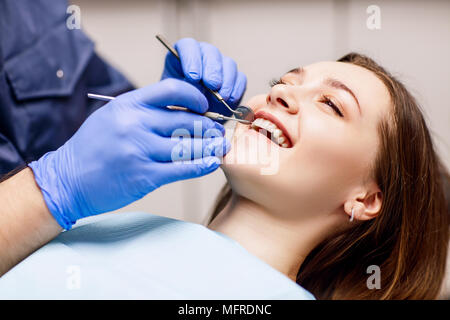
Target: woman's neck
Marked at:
282, 244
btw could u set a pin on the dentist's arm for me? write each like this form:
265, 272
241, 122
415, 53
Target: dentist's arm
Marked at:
25, 221
122, 152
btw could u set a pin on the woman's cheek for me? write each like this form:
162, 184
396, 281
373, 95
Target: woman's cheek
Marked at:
323, 143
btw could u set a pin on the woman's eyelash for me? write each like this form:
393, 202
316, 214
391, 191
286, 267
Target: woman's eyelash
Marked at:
328, 102
275, 81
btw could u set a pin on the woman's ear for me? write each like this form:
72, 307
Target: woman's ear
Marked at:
366, 205
372, 205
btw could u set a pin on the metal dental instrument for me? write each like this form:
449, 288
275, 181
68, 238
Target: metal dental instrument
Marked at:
241, 112
211, 115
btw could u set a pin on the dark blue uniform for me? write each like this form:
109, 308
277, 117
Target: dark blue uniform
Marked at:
46, 71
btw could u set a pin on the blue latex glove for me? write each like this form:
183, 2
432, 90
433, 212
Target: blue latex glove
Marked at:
125, 149
201, 61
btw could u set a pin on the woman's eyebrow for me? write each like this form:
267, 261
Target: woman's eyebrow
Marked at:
334, 83
299, 71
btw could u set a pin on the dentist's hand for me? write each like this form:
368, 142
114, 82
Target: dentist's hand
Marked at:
201, 61
124, 150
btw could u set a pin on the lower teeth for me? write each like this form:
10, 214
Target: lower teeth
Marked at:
279, 141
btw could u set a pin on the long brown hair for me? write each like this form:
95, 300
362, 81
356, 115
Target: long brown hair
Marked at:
409, 237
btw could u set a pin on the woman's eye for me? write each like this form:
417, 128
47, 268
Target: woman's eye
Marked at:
330, 103
324, 99
274, 82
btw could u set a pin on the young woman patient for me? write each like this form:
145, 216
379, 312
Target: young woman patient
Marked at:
345, 201
357, 191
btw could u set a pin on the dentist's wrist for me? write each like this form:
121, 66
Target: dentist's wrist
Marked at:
27, 217
53, 191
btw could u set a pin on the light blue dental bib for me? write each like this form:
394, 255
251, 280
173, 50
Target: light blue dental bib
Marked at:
145, 256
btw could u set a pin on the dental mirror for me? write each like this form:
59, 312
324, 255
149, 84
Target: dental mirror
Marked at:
245, 113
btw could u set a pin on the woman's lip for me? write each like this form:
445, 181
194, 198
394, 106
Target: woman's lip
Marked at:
272, 118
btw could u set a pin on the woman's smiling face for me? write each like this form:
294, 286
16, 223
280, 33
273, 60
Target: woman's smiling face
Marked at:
327, 115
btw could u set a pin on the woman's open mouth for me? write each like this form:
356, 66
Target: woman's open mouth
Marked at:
272, 129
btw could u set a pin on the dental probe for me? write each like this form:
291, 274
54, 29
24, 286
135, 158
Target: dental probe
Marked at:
241, 112
211, 115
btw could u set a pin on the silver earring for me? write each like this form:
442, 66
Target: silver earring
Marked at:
353, 214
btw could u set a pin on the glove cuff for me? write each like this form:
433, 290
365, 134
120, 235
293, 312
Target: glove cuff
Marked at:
47, 180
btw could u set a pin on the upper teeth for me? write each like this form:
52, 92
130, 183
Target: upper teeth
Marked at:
276, 134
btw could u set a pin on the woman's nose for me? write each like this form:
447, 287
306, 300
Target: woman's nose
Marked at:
280, 96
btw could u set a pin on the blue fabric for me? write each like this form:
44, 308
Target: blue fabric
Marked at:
39, 110
145, 256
